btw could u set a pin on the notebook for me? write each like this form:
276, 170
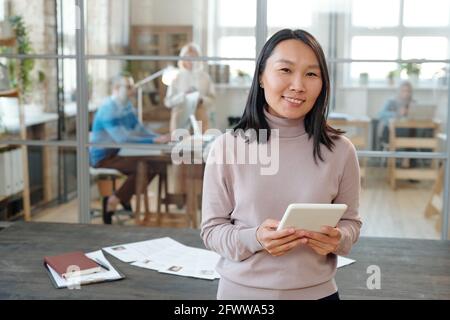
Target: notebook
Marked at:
68, 264
108, 273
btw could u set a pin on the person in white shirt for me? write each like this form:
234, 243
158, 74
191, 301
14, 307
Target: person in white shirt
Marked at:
191, 84
191, 79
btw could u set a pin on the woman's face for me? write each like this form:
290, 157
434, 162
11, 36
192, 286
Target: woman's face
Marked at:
187, 64
292, 80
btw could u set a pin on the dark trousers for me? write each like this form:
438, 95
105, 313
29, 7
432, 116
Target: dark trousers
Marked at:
332, 297
128, 167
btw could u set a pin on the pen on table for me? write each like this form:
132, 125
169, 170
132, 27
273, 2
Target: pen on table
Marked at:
101, 264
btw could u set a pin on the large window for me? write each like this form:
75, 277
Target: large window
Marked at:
232, 35
399, 29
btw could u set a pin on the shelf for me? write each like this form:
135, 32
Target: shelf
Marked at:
12, 93
8, 42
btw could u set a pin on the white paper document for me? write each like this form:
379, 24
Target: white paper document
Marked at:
139, 152
140, 251
343, 261
105, 275
168, 256
187, 261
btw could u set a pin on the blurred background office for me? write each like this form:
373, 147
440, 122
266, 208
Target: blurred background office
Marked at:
371, 46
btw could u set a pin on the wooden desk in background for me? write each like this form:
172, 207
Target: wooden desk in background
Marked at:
410, 268
412, 141
193, 182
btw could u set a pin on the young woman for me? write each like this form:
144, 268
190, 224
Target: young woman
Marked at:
316, 164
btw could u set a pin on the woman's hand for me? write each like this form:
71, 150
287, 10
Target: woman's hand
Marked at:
323, 243
165, 138
275, 242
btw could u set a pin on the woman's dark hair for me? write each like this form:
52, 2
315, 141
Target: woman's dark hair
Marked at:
315, 120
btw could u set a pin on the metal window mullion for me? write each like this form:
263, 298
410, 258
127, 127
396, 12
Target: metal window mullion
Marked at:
401, 33
332, 36
160, 58
401, 154
41, 143
261, 25
83, 186
44, 56
445, 195
349, 60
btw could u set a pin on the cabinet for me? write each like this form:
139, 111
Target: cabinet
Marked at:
155, 40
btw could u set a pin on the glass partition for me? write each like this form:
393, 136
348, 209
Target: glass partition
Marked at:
48, 174
47, 99
398, 201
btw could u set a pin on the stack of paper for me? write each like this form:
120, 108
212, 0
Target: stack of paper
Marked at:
168, 256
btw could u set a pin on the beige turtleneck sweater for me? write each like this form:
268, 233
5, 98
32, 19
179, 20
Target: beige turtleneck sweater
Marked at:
237, 198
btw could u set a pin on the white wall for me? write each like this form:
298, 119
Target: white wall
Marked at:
162, 12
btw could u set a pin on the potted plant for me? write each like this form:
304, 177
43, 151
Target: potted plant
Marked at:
242, 77
25, 65
412, 70
363, 79
391, 76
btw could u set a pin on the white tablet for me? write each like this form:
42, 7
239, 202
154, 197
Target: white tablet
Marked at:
312, 216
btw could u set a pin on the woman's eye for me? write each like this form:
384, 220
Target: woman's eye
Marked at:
311, 74
285, 70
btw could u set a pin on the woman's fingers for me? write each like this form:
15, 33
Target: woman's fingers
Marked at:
317, 249
280, 250
280, 242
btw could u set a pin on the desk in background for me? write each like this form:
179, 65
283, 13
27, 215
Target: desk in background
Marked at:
413, 141
410, 268
160, 155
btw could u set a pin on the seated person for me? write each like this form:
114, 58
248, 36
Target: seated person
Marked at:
116, 122
396, 108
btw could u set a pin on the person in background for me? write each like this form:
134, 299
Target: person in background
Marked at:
116, 122
395, 108
242, 207
398, 108
191, 78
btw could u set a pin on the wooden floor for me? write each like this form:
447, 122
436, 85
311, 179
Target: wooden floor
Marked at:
385, 213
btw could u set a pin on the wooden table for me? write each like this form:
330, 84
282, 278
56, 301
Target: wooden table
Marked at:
193, 181
410, 269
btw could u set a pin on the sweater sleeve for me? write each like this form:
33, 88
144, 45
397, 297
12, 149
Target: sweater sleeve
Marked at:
174, 96
218, 232
210, 94
349, 190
